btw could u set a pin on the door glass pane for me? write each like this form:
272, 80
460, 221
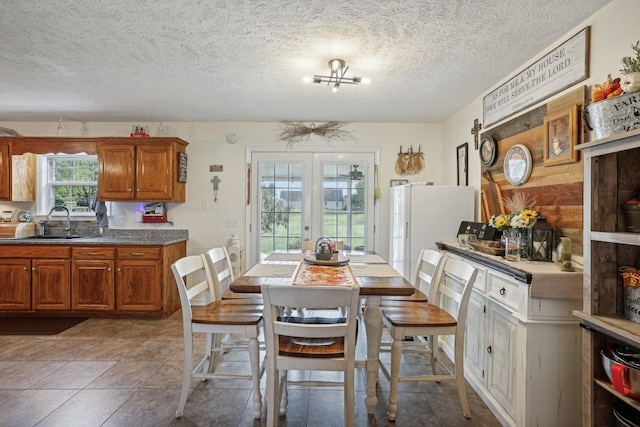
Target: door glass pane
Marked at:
280, 207
344, 203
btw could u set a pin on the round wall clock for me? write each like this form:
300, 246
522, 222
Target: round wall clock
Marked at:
488, 151
518, 164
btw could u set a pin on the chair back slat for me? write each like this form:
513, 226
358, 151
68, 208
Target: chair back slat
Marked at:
463, 273
219, 269
276, 298
191, 279
428, 271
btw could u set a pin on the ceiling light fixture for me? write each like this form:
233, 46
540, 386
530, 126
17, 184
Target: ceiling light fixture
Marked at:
337, 77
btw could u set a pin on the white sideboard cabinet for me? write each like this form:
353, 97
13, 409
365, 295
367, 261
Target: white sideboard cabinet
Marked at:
523, 345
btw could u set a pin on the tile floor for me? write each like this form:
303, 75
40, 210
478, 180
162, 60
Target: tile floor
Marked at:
126, 372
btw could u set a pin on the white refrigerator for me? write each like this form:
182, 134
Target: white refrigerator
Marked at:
422, 215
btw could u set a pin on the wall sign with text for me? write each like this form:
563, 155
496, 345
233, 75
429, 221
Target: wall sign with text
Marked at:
557, 70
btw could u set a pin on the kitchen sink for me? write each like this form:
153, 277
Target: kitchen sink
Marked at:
67, 237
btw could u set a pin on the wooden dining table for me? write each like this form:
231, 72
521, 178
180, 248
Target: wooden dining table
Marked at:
373, 274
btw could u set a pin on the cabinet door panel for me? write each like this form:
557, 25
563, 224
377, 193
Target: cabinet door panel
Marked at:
50, 284
15, 284
92, 285
474, 347
502, 359
154, 172
116, 172
5, 172
138, 286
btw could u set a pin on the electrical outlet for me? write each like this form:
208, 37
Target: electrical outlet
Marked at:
232, 222
205, 204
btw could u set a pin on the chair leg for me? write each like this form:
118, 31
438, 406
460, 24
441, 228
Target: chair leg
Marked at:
214, 355
284, 393
433, 343
186, 375
272, 393
254, 358
462, 393
396, 356
349, 398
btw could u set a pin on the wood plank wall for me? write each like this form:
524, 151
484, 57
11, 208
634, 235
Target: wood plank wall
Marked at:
558, 189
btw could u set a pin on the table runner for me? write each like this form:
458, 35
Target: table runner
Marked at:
323, 275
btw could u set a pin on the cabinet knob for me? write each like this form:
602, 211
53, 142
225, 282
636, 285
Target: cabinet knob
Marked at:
33, 269
503, 291
118, 269
129, 190
489, 349
138, 190
24, 268
109, 269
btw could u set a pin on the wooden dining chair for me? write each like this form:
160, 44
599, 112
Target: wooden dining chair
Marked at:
215, 319
428, 268
308, 344
445, 314
221, 273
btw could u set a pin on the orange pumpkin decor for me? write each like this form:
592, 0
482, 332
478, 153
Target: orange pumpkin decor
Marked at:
609, 89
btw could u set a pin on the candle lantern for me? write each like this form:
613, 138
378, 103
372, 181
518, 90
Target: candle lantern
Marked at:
541, 241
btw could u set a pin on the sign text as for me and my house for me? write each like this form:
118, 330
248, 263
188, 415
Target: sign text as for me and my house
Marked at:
559, 69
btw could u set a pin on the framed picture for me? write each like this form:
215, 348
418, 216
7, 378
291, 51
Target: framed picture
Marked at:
463, 164
560, 136
395, 182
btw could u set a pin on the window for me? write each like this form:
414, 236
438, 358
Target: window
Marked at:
68, 180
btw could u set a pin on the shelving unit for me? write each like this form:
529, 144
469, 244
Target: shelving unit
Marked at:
611, 176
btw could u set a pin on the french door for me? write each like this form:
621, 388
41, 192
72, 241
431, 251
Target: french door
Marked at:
307, 195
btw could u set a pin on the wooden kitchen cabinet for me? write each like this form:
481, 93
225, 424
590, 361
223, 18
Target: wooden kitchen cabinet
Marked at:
50, 284
15, 284
146, 170
93, 279
34, 278
611, 167
5, 170
138, 279
98, 280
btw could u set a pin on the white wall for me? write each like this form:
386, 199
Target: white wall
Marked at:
613, 29
208, 146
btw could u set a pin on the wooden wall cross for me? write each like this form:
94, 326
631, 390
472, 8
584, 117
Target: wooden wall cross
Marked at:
475, 131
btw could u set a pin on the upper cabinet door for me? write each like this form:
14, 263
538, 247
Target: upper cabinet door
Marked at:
5, 172
154, 172
116, 173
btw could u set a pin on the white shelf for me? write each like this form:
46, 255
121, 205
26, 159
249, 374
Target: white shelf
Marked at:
632, 239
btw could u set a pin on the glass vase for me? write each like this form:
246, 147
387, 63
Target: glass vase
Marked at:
512, 245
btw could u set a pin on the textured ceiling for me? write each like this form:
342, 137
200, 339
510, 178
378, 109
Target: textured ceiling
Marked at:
241, 60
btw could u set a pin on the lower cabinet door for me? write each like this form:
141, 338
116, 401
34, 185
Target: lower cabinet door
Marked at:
138, 287
474, 348
50, 284
92, 285
15, 284
501, 340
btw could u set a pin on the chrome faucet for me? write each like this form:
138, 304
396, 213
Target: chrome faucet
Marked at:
68, 228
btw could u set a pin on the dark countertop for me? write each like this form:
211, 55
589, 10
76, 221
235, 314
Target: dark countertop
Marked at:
491, 261
129, 237
545, 279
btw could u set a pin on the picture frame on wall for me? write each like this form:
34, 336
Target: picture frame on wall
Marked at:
462, 152
560, 136
395, 182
